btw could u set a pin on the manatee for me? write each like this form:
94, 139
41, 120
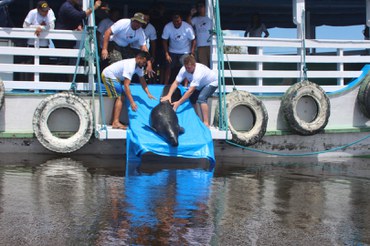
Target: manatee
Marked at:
164, 121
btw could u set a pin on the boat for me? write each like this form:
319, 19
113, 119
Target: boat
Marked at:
312, 100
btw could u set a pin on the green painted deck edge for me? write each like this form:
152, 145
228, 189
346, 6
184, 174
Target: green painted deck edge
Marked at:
327, 131
268, 133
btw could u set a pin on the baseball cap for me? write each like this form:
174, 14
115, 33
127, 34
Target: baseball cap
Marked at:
43, 5
139, 17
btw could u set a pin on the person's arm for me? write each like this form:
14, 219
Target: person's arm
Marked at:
184, 97
193, 45
165, 49
266, 34
153, 48
104, 51
149, 67
97, 5
173, 87
126, 84
144, 85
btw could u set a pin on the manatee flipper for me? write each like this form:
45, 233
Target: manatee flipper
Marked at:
181, 130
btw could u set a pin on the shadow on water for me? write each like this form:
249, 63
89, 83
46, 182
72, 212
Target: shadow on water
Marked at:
87, 200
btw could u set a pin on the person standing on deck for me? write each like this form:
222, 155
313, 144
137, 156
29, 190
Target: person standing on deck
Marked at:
42, 19
119, 73
203, 83
203, 27
255, 29
70, 17
120, 35
178, 39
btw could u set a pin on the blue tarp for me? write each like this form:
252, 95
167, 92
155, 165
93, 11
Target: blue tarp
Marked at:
196, 142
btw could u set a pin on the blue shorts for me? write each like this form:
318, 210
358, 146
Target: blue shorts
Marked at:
113, 86
202, 95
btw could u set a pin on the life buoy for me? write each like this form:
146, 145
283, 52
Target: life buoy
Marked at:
2, 93
59, 101
306, 108
363, 96
247, 117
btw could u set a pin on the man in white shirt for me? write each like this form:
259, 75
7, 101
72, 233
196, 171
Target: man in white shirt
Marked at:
120, 35
203, 83
203, 28
178, 39
41, 18
120, 73
151, 37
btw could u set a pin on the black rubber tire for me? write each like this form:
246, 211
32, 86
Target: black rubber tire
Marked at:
289, 107
258, 130
363, 96
58, 101
2, 93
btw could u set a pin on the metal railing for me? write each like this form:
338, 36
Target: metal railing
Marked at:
278, 63
21, 66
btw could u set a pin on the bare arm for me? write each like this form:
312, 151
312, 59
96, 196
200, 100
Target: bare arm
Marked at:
104, 51
126, 84
165, 49
184, 97
144, 85
173, 87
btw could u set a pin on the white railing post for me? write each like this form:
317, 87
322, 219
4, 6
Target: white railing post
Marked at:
340, 66
260, 66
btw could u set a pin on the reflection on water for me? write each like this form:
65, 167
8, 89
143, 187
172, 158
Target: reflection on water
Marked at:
79, 201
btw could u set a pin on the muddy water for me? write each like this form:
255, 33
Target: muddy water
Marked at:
47, 200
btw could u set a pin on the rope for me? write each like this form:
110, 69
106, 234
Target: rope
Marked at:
96, 59
221, 67
82, 45
303, 47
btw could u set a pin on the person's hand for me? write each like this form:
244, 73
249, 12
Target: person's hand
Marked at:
168, 58
97, 4
166, 98
104, 54
38, 31
150, 72
151, 97
175, 105
193, 11
133, 106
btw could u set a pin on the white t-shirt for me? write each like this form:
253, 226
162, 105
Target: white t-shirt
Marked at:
201, 77
150, 34
34, 19
124, 35
257, 32
179, 39
123, 69
202, 27
102, 27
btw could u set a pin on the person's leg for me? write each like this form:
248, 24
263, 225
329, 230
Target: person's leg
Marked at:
117, 108
114, 90
204, 94
204, 109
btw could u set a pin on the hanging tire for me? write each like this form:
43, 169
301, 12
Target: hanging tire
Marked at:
247, 117
306, 108
2, 93
59, 101
363, 96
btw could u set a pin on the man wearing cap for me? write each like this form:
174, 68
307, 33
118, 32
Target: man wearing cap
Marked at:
120, 35
41, 18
